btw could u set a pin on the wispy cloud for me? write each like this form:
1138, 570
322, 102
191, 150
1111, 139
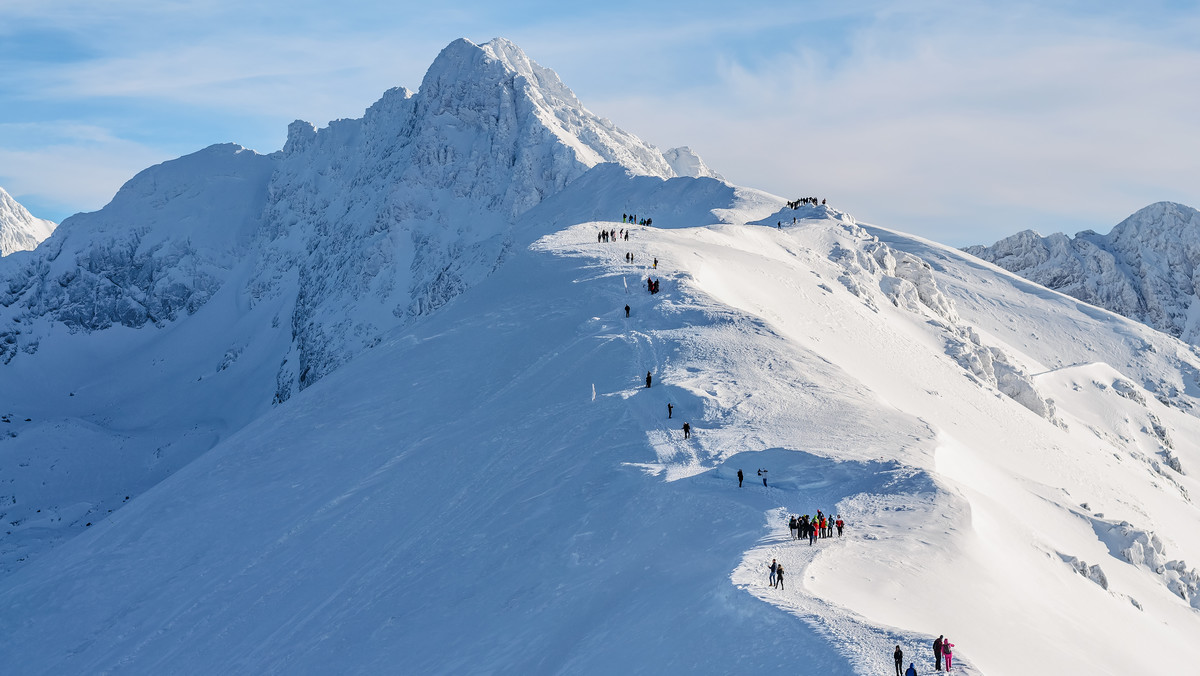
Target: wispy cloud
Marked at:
68, 167
966, 129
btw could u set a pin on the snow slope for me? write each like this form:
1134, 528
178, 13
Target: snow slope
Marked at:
493, 488
19, 229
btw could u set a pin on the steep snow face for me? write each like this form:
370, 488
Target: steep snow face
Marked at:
19, 229
159, 250
387, 218
1147, 268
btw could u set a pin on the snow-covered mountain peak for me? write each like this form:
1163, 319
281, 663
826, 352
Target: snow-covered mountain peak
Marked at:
19, 229
1160, 226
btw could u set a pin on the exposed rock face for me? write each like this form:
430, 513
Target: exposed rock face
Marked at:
1147, 268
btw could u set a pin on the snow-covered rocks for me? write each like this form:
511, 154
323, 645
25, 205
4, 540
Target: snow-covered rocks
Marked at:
1145, 549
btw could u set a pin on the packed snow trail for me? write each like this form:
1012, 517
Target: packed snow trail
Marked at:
863, 645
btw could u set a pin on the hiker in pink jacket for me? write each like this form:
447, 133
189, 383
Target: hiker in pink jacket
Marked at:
946, 646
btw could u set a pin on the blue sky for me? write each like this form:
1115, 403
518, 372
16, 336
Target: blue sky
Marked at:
960, 121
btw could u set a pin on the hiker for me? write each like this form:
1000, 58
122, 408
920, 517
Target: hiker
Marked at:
647, 379
763, 474
687, 431
793, 524
656, 263
773, 567
899, 657
739, 478
840, 524
779, 576
812, 532
626, 310
947, 652
623, 217
912, 669
669, 409
937, 653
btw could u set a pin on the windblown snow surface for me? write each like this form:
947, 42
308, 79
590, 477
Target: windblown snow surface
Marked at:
495, 490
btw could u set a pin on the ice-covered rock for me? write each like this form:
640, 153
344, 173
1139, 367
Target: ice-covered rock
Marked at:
1145, 549
685, 162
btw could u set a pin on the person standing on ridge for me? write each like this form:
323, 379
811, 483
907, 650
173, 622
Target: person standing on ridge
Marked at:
647, 379
627, 310
687, 431
763, 474
779, 576
947, 652
912, 669
840, 524
773, 567
899, 657
739, 478
937, 653
655, 263
669, 409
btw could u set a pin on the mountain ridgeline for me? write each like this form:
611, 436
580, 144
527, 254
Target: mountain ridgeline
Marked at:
350, 230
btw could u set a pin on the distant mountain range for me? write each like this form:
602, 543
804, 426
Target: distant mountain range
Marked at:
1147, 268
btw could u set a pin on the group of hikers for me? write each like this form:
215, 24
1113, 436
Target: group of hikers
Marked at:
632, 218
613, 235
812, 528
795, 204
942, 650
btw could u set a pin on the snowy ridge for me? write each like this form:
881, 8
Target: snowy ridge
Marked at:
458, 499
19, 229
1145, 269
